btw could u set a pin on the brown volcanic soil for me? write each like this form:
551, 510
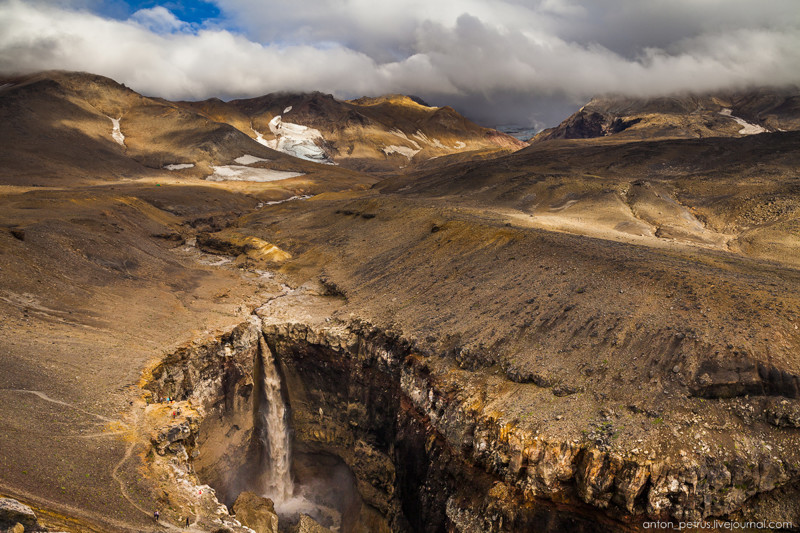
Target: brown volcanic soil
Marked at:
740, 195
94, 288
524, 295
97, 280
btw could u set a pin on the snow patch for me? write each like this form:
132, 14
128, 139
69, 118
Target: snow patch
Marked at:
297, 140
402, 150
276, 202
178, 166
424, 138
116, 133
248, 159
460, 145
404, 136
242, 173
287, 110
399, 133
260, 138
748, 128
421, 136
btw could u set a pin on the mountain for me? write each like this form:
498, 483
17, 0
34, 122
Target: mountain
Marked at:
682, 117
66, 128
380, 134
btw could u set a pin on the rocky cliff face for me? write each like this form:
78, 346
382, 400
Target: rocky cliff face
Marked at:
219, 380
458, 463
429, 444
421, 457
200, 415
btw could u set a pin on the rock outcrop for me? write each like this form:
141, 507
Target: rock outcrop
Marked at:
256, 512
14, 514
308, 525
216, 379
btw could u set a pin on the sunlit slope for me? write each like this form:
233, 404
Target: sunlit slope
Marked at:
373, 134
64, 128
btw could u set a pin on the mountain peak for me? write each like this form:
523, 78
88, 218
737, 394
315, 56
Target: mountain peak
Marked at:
394, 99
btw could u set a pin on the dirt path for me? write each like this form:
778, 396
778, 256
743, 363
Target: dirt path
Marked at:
47, 398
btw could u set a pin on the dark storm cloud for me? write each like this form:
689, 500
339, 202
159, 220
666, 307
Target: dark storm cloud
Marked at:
516, 61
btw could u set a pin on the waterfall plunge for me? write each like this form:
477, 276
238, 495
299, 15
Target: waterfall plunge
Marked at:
275, 437
276, 479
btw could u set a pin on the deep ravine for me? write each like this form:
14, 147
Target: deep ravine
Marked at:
419, 446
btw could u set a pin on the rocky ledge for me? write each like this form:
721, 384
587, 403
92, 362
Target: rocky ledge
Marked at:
16, 517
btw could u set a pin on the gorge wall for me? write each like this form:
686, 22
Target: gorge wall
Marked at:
425, 440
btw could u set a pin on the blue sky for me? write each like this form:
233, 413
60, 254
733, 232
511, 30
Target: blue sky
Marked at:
192, 12
527, 62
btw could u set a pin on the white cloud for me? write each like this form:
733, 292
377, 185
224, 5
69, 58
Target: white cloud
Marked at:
158, 19
483, 54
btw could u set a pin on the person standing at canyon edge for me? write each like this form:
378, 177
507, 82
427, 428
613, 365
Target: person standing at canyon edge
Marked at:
156, 514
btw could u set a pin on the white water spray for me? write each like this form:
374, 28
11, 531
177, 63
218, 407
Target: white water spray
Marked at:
275, 439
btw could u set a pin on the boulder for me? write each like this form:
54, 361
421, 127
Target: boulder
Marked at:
308, 525
13, 512
256, 512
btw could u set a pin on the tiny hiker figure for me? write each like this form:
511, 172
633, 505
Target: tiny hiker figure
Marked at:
156, 515
187, 521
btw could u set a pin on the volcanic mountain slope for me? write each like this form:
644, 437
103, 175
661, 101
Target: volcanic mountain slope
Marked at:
736, 194
67, 128
679, 117
374, 134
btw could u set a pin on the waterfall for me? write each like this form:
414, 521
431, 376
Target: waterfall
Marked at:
275, 438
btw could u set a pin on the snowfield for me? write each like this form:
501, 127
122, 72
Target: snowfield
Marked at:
402, 150
243, 173
424, 138
260, 138
178, 166
402, 135
297, 140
